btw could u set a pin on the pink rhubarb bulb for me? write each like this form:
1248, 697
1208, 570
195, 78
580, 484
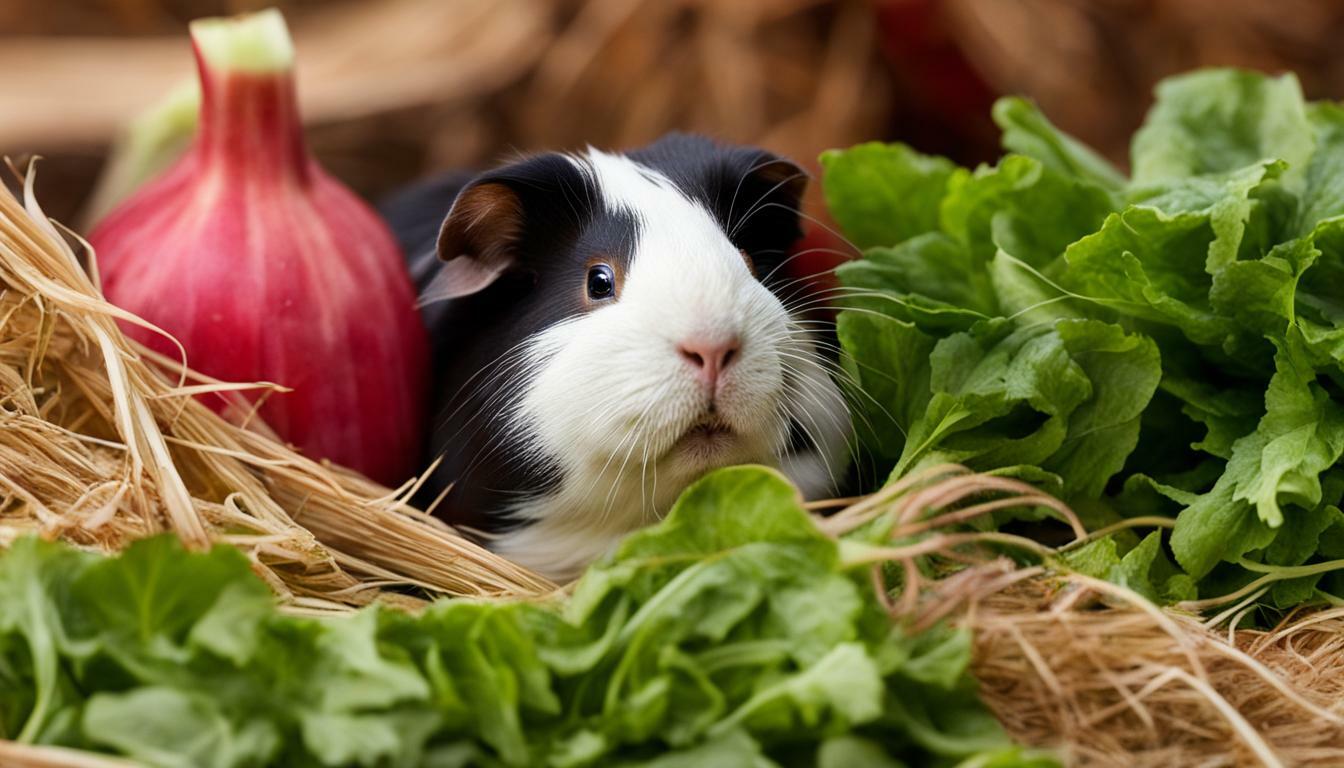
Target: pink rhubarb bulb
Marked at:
266, 268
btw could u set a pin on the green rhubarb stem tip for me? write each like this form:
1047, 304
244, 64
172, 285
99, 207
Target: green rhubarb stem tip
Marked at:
257, 42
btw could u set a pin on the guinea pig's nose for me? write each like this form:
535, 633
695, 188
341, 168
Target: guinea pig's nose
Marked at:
710, 357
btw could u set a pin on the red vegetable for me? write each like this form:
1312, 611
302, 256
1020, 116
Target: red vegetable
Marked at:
268, 269
815, 256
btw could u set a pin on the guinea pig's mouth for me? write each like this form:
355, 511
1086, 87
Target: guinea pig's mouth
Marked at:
709, 428
706, 437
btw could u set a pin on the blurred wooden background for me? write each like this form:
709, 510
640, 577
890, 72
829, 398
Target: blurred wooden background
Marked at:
393, 89
396, 88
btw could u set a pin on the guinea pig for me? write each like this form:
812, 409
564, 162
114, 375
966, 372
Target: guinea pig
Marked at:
606, 329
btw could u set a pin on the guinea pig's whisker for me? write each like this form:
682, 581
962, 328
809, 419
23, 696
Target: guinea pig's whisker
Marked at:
605, 416
816, 320
806, 299
832, 367
801, 333
807, 323
761, 202
832, 251
654, 492
804, 288
515, 367
837, 421
782, 263
836, 375
633, 436
470, 398
609, 503
845, 380
605, 419
810, 336
495, 442
507, 359
644, 463
748, 174
855, 392
821, 454
809, 395
873, 313
826, 367
805, 302
473, 424
643, 468
825, 456
813, 332
733, 229
834, 417
800, 378
802, 278
877, 295
818, 222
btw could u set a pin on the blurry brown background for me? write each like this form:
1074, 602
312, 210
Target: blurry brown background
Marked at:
393, 89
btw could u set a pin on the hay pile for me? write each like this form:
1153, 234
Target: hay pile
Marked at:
1077, 664
1092, 669
100, 444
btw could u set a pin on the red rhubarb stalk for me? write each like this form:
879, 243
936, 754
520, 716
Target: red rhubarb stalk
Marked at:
266, 268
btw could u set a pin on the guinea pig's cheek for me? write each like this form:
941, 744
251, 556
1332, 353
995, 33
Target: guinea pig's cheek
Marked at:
542, 412
595, 390
561, 392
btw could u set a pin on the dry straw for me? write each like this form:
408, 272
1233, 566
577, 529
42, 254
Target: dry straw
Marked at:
100, 443
1094, 670
1080, 664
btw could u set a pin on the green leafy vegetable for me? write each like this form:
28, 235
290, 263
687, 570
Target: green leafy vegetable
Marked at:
1027, 132
1220, 120
729, 635
888, 193
1167, 344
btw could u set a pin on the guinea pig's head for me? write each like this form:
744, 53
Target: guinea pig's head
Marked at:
654, 337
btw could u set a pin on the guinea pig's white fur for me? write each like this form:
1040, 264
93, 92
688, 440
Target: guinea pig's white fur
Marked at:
610, 397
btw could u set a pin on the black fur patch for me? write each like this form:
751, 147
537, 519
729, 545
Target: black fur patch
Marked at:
477, 376
752, 193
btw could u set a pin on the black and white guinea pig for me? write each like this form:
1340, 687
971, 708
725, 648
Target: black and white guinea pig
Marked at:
607, 328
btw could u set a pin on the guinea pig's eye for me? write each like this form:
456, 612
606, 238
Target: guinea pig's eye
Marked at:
601, 282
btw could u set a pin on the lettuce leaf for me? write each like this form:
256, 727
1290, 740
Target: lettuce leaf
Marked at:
1170, 343
1219, 120
730, 634
886, 193
1028, 132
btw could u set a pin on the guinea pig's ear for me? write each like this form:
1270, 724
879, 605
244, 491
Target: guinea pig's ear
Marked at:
477, 241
